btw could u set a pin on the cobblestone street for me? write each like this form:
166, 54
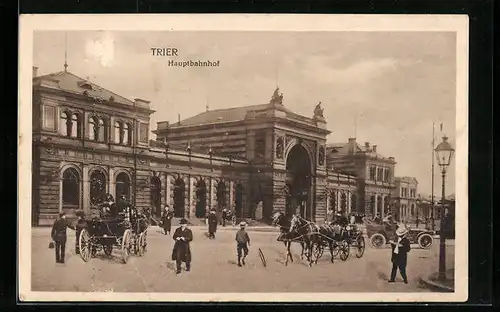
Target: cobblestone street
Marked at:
214, 268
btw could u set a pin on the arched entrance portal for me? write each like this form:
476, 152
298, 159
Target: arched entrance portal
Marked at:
201, 199
156, 195
298, 167
179, 193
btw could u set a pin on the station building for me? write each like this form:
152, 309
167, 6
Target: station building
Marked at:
254, 160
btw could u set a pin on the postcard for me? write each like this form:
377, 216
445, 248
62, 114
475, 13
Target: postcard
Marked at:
243, 158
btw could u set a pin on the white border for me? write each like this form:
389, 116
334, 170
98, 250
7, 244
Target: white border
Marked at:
240, 22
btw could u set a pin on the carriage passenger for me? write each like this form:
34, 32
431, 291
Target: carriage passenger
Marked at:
122, 204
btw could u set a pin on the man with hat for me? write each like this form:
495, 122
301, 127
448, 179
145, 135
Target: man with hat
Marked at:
242, 243
400, 249
212, 224
181, 252
58, 235
166, 220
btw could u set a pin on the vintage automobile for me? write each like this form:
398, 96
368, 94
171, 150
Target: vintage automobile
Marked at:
380, 234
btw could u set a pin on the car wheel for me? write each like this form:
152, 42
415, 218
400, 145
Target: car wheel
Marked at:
378, 240
425, 241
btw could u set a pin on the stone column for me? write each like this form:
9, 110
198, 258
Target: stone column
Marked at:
112, 184
337, 204
348, 208
382, 198
60, 193
86, 189
231, 195
168, 189
375, 208
191, 197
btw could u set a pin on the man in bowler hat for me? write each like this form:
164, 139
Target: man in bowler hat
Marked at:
400, 249
58, 235
182, 252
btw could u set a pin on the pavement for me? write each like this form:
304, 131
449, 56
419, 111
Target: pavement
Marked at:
214, 267
432, 281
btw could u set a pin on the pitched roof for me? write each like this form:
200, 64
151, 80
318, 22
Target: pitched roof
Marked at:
221, 115
70, 82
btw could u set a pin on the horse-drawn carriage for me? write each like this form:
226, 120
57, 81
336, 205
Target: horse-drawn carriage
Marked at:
380, 234
127, 232
315, 239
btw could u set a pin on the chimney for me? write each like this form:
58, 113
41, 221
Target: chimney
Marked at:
35, 71
374, 148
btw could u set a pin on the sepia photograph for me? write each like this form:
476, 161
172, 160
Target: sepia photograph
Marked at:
243, 158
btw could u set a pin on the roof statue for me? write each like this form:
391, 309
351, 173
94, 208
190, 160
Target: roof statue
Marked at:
318, 111
277, 97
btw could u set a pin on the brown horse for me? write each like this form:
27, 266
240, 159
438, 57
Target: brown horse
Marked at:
309, 233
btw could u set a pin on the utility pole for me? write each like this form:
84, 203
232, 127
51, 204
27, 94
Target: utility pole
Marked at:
432, 181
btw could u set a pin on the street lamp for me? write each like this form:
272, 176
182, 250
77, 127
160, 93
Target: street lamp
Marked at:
444, 154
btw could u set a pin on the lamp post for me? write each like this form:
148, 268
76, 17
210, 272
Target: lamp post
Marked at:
444, 154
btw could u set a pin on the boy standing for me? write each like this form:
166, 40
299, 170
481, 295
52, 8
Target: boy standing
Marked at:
242, 243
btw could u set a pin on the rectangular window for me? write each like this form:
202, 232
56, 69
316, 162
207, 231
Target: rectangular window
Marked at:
260, 145
49, 116
143, 133
372, 173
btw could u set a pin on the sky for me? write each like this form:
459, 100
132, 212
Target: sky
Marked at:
386, 88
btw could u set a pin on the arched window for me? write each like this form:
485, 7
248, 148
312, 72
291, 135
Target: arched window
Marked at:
71, 187
118, 132
97, 186
122, 185
343, 202
65, 124
126, 134
353, 202
93, 129
75, 126
102, 130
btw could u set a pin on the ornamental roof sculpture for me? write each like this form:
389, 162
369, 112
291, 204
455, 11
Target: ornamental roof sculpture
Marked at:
277, 98
318, 111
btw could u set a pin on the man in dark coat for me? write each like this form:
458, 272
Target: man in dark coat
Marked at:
400, 249
181, 252
58, 234
167, 220
212, 224
80, 225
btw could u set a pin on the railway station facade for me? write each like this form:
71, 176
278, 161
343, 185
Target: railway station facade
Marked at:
254, 160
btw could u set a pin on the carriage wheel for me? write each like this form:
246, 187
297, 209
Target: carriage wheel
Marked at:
108, 249
344, 251
142, 244
85, 245
360, 245
336, 249
126, 245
